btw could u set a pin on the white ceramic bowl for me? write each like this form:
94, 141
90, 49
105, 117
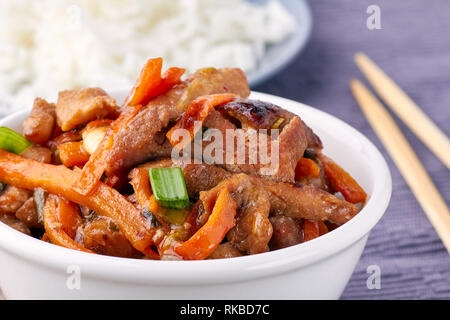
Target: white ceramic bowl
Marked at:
318, 269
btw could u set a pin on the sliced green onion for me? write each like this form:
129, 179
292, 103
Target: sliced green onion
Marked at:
12, 141
277, 123
169, 187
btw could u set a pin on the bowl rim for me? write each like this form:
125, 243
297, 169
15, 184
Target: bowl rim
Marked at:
205, 272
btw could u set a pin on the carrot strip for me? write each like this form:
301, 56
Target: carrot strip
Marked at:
197, 111
45, 238
342, 181
106, 201
322, 227
211, 234
306, 168
153, 204
141, 185
54, 228
69, 216
149, 77
310, 229
73, 154
149, 85
170, 78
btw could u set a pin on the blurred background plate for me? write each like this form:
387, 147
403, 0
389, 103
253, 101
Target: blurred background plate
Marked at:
279, 56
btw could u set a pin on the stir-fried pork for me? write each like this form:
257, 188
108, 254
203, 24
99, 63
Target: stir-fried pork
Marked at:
38, 126
75, 107
144, 137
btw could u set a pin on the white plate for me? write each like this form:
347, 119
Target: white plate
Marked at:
279, 56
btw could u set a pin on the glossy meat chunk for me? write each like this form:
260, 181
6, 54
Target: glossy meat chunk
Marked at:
302, 201
102, 235
257, 114
257, 121
75, 107
287, 232
29, 215
40, 154
38, 126
265, 115
12, 199
225, 250
279, 160
253, 229
15, 223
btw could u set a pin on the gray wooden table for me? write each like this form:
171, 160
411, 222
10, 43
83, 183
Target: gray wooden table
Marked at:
413, 47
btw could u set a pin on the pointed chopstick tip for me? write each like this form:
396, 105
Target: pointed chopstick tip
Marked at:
360, 57
356, 85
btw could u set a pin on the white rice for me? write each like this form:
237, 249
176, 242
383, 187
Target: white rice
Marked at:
50, 45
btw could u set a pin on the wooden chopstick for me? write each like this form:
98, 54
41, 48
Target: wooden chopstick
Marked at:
406, 160
406, 109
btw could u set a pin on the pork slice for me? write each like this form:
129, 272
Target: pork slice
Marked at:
253, 229
265, 115
225, 250
216, 120
277, 165
29, 215
302, 201
15, 223
38, 126
40, 154
102, 236
144, 136
12, 199
257, 114
292, 145
287, 232
76, 107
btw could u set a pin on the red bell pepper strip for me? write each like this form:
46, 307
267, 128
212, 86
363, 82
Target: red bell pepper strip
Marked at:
211, 234
342, 181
